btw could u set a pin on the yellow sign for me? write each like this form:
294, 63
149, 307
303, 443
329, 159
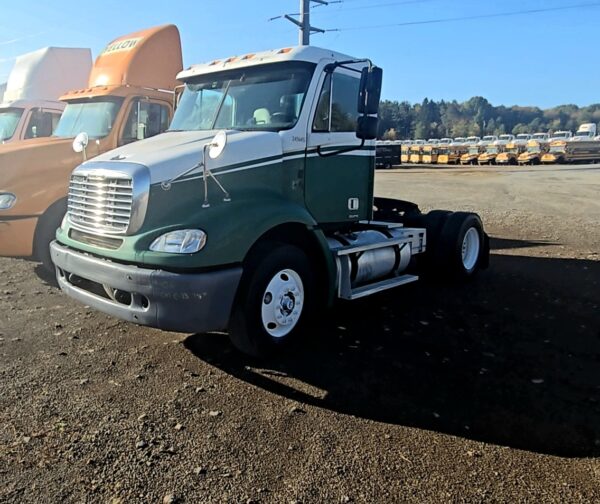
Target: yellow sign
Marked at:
121, 45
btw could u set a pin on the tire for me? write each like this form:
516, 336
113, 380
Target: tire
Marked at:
433, 222
462, 248
275, 301
45, 233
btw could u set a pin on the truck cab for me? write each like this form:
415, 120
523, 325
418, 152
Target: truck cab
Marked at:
586, 132
30, 106
129, 97
488, 139
255, 208
562, 135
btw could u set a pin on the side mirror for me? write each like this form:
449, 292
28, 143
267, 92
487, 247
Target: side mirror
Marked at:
370, 90
366, 128
80, 143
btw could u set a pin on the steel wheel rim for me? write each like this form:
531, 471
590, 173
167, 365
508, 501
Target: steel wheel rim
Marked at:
282, 303
470, 249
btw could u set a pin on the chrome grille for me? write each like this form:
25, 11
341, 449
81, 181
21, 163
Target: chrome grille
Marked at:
101, 203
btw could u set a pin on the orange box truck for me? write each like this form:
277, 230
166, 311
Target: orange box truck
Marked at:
130, 96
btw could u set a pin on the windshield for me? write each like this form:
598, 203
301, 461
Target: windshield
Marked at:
474, 150
505, 137
513, 150
95, 117
523, 137
584, 134
489, 138
557, 148
268, 97
539, 137
560, 135
9, 119
533, 148
492, 150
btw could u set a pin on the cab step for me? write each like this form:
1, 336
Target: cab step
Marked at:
374, 288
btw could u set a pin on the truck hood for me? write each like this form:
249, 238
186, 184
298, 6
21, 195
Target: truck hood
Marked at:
177, 154
37, 172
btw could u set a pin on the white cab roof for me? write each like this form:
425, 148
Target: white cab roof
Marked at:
47, 74
308, 54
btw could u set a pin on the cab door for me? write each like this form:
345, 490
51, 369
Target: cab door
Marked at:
338, 181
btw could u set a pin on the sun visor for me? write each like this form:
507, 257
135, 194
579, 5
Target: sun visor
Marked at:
148, 58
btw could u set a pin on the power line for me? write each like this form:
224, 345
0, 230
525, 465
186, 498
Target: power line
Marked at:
467, 18
386, 4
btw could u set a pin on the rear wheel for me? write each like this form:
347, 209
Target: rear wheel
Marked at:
275, 301
462, 248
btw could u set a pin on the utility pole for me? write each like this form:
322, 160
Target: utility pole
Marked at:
304, 23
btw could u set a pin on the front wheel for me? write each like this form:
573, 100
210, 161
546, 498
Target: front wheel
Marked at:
275, 300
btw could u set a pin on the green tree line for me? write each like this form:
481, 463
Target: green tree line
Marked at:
475, 117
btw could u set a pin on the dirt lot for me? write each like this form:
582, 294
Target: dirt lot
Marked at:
431, 393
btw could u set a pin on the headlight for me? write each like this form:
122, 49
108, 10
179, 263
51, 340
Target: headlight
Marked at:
184, 241
7, 200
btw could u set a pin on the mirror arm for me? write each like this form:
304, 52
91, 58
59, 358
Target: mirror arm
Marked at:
330, 68
340, 151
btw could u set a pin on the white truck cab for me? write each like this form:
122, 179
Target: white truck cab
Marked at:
29, 106
586, 131
562, 135
505, 139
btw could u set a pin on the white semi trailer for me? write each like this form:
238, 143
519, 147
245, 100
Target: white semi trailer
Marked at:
29, 106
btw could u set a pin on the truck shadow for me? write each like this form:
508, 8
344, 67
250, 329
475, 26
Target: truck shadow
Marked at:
512, 359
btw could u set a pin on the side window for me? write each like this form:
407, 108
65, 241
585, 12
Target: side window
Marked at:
337, 107
55, 118
146, 119
41, 124
344, 114
321, 122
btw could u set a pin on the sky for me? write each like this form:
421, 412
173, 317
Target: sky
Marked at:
532, 59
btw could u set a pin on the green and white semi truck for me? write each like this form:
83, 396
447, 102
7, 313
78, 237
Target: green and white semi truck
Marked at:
256, 209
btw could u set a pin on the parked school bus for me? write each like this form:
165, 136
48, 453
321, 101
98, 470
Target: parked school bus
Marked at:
255, 216
430, 153
451, 153
561, 151
405, 152
472, 154
416, 152
29, 105
490, 152
535, 149
129, 97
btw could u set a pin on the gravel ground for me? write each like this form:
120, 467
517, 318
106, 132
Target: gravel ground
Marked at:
431, 393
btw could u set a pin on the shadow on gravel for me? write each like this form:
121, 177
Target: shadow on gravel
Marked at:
45, 276
511, 359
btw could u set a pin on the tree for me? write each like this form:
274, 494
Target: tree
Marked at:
477, 117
